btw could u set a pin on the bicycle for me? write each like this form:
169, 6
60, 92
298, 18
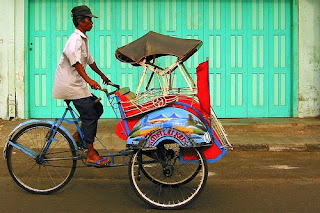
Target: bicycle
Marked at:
169, 141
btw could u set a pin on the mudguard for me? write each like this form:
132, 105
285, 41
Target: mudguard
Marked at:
179, 125
30, 122
169, 123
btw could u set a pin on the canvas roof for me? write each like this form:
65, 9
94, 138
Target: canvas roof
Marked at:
153, 45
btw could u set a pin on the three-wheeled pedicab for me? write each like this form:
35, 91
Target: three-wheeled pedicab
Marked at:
171, 133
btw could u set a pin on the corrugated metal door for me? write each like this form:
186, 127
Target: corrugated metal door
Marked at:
40, 64
248, 43
250, 50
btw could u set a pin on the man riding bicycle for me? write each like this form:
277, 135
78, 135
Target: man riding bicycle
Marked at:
71, 81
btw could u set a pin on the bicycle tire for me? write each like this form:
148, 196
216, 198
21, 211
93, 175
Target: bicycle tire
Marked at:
56, 169
164, 194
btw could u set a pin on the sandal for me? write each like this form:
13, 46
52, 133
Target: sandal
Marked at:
98, 163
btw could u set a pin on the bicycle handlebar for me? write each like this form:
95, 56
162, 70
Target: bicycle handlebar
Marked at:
114, 85
110, 93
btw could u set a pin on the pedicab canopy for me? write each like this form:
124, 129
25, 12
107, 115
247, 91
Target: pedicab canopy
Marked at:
154, 45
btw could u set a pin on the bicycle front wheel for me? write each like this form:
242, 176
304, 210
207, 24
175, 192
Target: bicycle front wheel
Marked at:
163, 180
48, 174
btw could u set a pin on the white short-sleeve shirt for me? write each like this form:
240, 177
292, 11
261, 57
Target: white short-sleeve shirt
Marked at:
68, 84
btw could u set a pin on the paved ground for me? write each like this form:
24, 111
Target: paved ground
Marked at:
242, 181
262, 134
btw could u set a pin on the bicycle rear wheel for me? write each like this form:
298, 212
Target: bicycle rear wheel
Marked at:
164, 181
51, 173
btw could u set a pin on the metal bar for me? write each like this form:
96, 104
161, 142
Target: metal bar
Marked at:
150, 68
152, 74
165, 89
185, 78
63, 158
185, 69
24, 149
171, 68
141, 80
170, 81
218, 128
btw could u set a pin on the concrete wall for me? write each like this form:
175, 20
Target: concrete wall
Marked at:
12, 33
12, 58
309, 58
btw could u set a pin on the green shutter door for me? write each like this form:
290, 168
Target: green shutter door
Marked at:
40, 63
248, 43
250, 51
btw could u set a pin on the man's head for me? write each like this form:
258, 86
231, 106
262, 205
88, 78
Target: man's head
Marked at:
82, 16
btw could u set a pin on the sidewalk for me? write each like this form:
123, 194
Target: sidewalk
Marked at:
274, 134
258, 134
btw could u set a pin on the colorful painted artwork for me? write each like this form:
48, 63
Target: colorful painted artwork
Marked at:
169, 117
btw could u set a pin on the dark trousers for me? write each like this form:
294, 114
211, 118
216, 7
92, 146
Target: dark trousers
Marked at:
90, 113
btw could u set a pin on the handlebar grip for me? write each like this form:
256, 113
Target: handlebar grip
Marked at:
114, 85
110, 93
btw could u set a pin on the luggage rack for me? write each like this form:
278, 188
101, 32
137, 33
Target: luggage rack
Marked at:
152, 99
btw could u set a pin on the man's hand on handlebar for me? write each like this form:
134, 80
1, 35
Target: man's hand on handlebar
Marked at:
113, 84
93, 84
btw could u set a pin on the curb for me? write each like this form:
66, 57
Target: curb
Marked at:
278, 147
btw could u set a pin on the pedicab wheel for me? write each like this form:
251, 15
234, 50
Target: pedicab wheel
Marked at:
172, 151
44, 176
169, 183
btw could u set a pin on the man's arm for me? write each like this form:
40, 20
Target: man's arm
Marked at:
104, 78
98, 71
93, 84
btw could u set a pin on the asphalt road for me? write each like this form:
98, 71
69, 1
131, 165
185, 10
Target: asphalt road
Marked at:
240, 182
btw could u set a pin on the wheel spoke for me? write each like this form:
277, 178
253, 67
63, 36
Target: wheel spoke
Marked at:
50, 175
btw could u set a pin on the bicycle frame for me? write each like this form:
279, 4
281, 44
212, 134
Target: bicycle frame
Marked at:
58, 123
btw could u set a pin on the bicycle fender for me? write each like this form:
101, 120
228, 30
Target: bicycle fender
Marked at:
15, 130
30, 122
169, 123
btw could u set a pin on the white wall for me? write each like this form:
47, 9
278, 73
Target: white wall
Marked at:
12, 25
309, 58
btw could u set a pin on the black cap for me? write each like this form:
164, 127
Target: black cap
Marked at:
82, 10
